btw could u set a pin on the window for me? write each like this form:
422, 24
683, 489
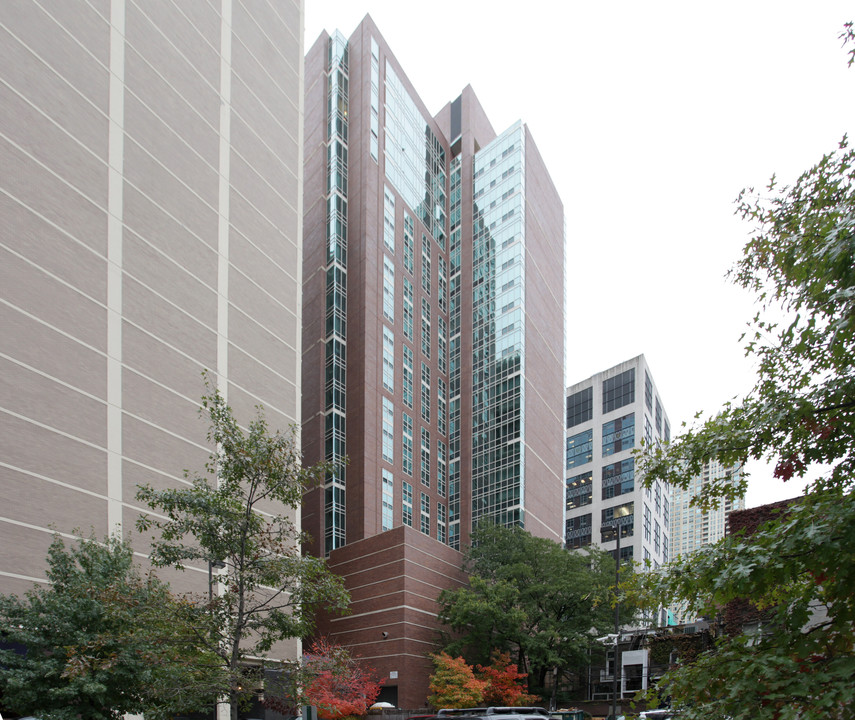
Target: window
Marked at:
425, 393
389, 219
440, 523
657, 497
648, 432
441, 347
388, 289
426, 264
388, 430
425, 514
388, 360
647, 520
577, 531
658, 418
664, 548
408, 377
618, 479
407, 441
666, 512
580, 407
441, 414
578, 490
387, 500
425, 457
425, 328
408, 309
408, 243
617, 516
579, 449
667, 433
648, 391
656, 537
442, 284
441, 472
619, 434
407, 503
619, 390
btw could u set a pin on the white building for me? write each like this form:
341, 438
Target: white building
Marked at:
607, 416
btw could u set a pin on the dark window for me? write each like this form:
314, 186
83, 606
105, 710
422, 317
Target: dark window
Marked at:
619, 390
625, 553
580, 407
617, 516
618, 434
648, 391
667, 432
658, 418
579, 448
578, 531
579, 490
618, 479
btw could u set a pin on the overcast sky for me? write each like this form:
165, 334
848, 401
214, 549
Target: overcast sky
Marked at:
651, 117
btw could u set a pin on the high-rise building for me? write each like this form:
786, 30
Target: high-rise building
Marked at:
433, 343
692, 527
151, 181
608, 415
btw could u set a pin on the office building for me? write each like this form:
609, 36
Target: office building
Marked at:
151, 228
692, 527
433, 343
608, 415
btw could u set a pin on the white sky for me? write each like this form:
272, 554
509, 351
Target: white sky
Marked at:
651, 117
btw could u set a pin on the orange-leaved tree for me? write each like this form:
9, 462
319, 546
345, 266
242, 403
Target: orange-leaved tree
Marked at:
453, 683
504, 682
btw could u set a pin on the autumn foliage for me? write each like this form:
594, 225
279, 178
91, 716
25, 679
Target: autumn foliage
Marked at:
455, 684
340, 686
504, 682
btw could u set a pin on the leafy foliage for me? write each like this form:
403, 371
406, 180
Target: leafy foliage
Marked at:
799, 568
268, 590
504, 683
529, 597
339, 685
102, 641
453, 683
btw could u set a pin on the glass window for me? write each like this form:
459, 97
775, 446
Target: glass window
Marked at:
408, 309
425, 457
425, 328
621, 516
388, 289
407, 503
409, 245
425, 393
388, 360
580, 449
658, 418
408, 377
577, 531
388, 496
578, 490
619, 390
425, 514
618, 478
648, 391
619, 434
407, 443
441, 407
388, 430
389, 220
647, 522
426, 264
580, 407
440, 523
441, 473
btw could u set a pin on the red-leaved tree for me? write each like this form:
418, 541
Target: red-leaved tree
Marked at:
504, 682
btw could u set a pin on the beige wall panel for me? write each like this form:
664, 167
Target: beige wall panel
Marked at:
152, 179
50, 145
60, 51
134, 475
275, 389
205, 17
251, 264
53, 95
14, 586
53, 302
44, 452
52, 404
88, 27
180, 31
158, 449
161, 363
155, 315
41, 243
169, 148
260, 153
167, 102
49, 196
52, 353
254, 111
159, 406
257, 341
170, 236
24, 550
174, 282
267, 311
265, 198
271, 240
25, 499
146, 39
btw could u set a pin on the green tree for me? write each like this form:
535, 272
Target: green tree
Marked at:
101, 640
799, 568
267, 590
529, 597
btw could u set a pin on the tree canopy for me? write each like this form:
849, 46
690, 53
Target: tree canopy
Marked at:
530, 597
266, 589
101, 640
798, 569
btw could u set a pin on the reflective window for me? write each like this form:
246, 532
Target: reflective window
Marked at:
388, 430
579, 490
577, 531
389, 220
425, 457
388, 491
408, 309
424, 525
580, 449
618, 479
407, 503
618, 434
618, 516
425, 393
388, 360
408, 377
619, 390
388, 289
580, 407
407, 444
440, 523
